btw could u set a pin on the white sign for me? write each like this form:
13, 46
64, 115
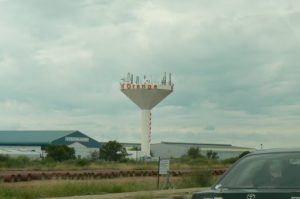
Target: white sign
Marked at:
76, 139
164, 167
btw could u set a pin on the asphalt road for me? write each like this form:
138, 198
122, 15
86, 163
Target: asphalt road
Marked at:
161, 194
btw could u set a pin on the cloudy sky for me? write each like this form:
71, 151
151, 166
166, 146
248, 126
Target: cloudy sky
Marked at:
235, 67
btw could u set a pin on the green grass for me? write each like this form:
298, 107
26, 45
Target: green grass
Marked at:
7, 163
60, 188
19, 163
44, 189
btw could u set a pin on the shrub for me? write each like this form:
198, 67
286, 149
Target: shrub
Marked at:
212, 155
198, 178
4, 158
112, 151
194, 152
202, 177
60, 152
83, 162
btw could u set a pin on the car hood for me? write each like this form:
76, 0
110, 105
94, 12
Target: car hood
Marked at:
249, 194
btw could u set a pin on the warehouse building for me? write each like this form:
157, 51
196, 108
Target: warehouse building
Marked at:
34, 143
178, 149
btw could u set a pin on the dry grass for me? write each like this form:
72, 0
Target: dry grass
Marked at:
59, 188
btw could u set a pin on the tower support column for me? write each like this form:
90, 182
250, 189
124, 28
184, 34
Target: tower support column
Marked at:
146, 132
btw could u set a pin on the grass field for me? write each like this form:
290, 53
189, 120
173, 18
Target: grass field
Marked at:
27, 164
59, 188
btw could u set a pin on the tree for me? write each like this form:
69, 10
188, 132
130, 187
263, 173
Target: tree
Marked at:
60, 152
212, 155
194, 152
112, 151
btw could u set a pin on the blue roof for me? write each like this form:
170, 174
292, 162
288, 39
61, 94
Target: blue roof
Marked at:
90, 142
30, 137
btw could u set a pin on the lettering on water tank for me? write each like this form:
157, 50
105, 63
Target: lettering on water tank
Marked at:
138, 86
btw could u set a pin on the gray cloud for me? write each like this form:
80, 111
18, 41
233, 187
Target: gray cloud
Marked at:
234, 65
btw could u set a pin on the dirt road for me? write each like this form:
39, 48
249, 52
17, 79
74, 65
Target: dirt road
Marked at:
161, 194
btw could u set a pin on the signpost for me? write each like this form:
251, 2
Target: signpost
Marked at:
163, 168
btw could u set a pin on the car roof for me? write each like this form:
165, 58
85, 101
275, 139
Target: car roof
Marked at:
276, 150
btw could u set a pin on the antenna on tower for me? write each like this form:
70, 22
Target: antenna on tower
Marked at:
170, 79
164, 79
131, 79
128, 77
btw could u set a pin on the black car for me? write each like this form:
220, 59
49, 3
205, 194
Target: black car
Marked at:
265, 174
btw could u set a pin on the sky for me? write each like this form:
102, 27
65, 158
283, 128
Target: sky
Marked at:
235, 66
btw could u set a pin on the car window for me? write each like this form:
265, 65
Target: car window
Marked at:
264, 171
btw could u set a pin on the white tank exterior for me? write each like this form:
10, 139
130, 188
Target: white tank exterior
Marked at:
146, 96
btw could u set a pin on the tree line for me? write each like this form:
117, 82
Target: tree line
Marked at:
114, 151
110, 151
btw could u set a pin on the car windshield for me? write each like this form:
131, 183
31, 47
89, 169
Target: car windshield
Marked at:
277, 170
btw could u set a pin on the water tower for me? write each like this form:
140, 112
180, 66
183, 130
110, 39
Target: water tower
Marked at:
146, 95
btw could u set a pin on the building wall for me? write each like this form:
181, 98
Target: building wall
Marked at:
82, 151
84, 146
77, 137
32, 148
35, 152
168, 150
32, 152
177, 150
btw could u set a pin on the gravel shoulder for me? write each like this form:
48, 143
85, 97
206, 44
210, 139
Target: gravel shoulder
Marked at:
160, 194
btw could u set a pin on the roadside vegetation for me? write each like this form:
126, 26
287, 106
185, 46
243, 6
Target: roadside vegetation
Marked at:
60, 188
185, 163
24, 163
113, 158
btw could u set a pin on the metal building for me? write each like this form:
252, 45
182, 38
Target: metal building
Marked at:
33, 143
178, 149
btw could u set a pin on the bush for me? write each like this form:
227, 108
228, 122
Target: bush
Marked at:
193, 161
16, 162
60, 152
202, 177
212, 155
83, 162
112, 151
198, 178
4, 158
194, 152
